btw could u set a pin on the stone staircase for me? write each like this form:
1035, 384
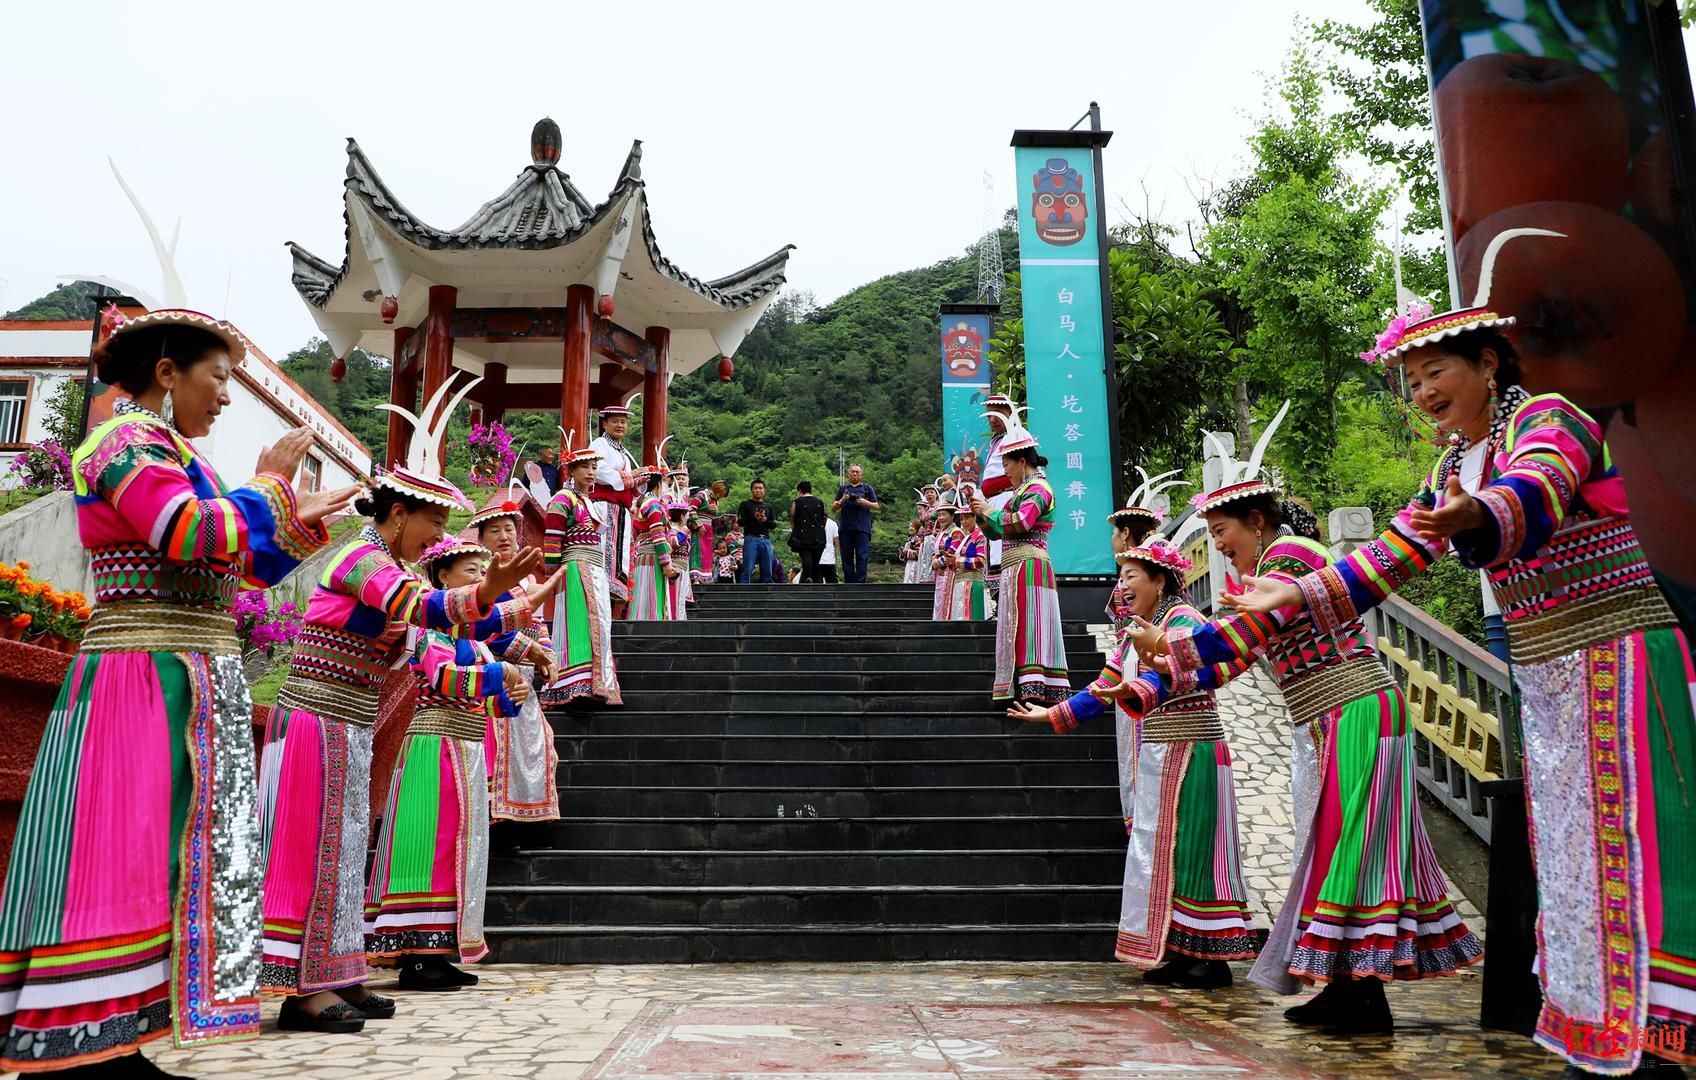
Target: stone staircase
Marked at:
816, 773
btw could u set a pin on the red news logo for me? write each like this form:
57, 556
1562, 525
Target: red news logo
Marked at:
1615, 1038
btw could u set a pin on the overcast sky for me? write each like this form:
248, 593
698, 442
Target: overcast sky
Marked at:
859, 132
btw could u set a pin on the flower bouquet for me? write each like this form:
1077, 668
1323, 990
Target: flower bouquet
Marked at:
492, 455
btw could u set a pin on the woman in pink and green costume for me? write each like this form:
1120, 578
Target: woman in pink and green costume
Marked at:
1030, 652
1185, 900
1526, 492
1368, 903
364, 618
131, 905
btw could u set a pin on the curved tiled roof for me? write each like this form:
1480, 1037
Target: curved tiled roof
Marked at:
542, 209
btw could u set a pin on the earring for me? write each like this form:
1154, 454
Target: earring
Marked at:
1494, 401
168, 412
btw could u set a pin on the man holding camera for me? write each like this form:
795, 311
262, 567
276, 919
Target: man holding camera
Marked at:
855, 504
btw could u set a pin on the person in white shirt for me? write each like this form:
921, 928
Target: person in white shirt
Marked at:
614, 489
832, 539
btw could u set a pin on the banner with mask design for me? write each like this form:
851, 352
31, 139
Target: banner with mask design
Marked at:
965, 385
1066, 384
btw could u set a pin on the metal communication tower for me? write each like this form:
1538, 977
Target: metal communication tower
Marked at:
991, 274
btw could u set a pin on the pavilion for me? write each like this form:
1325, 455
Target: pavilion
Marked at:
542, 294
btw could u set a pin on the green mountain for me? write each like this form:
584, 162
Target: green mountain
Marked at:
78, 300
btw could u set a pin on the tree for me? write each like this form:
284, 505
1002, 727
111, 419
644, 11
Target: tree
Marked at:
1383, 75
78, 300
1295, 246
64, 413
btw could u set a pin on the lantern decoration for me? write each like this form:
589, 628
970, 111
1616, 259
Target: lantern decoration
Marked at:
338, 369
390, 308
604, 305
725, 369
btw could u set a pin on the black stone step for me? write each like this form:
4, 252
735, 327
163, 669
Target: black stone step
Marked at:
800, 625
768, 832
716, 721
827, 802
691, 943
806, 775
714, 679
992, 866
656, 638
781, 905
751, 704
697, 717
1083, 744
804, 663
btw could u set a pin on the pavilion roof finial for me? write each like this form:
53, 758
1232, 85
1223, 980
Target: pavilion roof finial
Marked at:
545, 142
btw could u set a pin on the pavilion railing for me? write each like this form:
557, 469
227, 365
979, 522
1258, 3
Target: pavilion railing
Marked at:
1461, 705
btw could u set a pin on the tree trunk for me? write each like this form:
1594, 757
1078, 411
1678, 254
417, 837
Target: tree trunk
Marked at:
1239, 402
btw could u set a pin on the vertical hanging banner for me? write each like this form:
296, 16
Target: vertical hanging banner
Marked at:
1062, 257
965, 385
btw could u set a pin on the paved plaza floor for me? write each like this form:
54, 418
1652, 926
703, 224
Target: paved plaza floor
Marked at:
910, 1020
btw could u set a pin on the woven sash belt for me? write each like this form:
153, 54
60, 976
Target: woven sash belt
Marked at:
1017, 553
1591, 621
1312, 696
582, 554
356, 705
1166, 725
151, 626
451, 723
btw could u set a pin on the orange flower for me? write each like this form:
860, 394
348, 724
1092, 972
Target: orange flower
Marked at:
84, 612
23, 566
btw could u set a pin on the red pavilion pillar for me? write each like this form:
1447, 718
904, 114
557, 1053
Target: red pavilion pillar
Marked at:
574, 381
493, 392
656, 386
403, 391
438, 351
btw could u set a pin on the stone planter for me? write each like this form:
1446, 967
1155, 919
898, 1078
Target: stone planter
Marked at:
30, 677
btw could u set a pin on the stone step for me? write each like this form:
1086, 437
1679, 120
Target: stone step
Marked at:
769, 832
846, 802
787, 905
795, 718
984, 866
1080, 745
806, 775
655, 638
691, 943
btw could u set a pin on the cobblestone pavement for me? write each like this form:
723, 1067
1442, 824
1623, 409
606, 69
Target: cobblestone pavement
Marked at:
558, 1023
846, 1020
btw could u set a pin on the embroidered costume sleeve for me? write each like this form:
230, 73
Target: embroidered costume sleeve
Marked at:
563, 511
1092, 700
651, 521
1552, 449
1345, 590
370, 575
457, 668
162, 492
1216, 652
1034, 502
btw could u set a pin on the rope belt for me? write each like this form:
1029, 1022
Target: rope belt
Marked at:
1577, 623
356, 705
583, 554
1166, 725
1313, 695
1017, 553
153, 626
449, 723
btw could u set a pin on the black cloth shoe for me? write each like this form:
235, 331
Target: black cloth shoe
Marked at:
1189, 973
428, 974
374, 1006
1347, 1006
459, 976
338, 1019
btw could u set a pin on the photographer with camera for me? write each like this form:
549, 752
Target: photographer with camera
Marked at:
855, 504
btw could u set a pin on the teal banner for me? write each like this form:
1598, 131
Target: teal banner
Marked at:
1065, 346
965, 385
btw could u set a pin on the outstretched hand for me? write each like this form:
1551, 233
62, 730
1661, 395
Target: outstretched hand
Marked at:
507, 574
1150, 643
517, 686
1264, 594
282, 458
539, 597
1029, 713
1458, 512
313, 507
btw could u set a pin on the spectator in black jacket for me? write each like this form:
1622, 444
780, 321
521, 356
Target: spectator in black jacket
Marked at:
757, 517
807, 530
